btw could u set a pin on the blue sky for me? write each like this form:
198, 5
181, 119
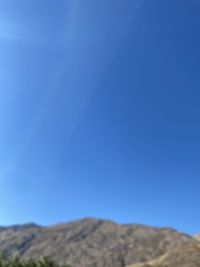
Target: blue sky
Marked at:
99, 111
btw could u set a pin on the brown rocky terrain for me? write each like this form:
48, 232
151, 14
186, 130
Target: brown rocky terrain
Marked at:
91, 243
197, 237
187, 255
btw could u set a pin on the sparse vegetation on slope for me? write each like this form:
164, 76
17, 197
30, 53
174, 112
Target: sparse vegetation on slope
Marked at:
16, 262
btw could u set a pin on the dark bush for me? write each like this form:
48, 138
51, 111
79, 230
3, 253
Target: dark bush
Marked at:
16, 262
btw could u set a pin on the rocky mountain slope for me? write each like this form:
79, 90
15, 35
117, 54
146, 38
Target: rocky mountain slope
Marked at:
197, 237
91, 243
187, 255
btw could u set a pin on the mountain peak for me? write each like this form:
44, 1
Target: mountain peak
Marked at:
91, 242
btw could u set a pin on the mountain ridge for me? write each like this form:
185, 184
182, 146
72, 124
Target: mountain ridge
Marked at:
94, 219
91, 242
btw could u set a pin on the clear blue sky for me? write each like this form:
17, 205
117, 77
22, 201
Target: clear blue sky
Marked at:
100, 111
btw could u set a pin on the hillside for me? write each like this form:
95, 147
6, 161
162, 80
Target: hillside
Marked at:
187, 255
197, 237
91, 243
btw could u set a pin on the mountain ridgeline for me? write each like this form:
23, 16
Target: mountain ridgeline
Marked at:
95, 243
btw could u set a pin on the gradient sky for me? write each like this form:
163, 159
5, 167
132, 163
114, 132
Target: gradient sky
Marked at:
100, 111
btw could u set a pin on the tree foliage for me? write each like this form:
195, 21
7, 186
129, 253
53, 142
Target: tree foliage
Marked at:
17, 262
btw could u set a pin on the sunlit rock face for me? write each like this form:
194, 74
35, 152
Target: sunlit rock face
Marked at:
187, 255
197, 237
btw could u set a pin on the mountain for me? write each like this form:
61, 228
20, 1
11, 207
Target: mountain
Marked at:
91, 242
187, 255
197, 237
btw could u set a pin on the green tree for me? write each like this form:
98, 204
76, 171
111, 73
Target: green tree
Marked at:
17, 262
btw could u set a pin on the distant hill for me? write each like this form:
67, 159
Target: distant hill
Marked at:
91, 242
